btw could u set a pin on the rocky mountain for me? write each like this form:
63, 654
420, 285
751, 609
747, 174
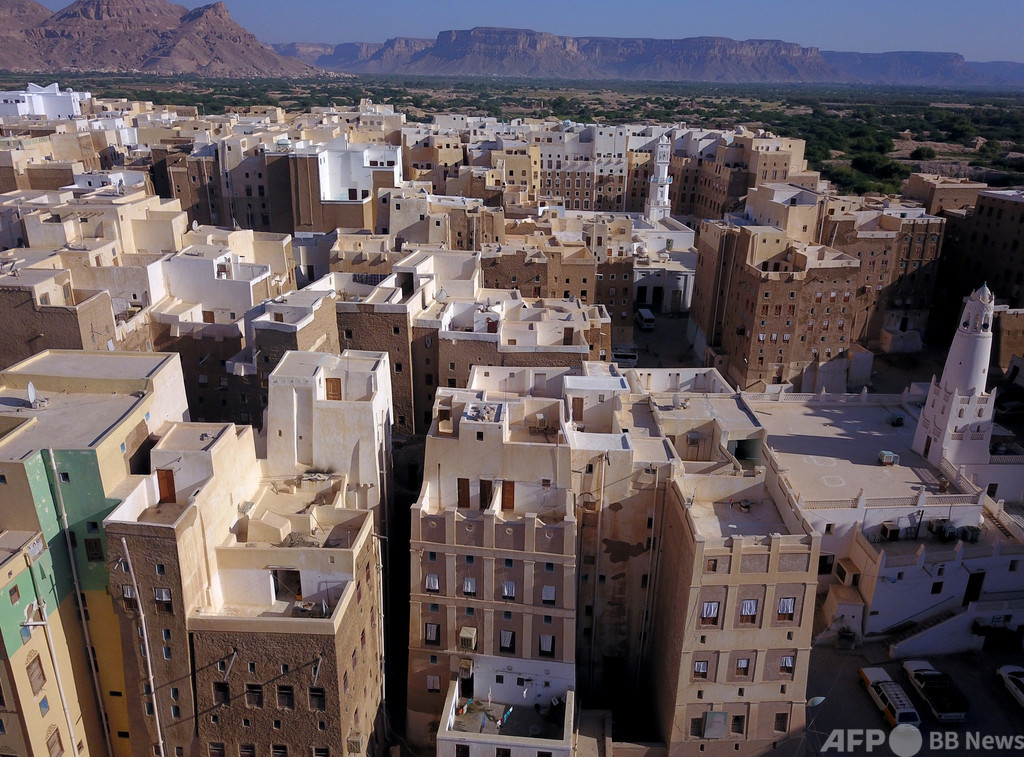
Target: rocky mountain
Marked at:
15, 17
488, 51
307, 52
18, 15
153, 36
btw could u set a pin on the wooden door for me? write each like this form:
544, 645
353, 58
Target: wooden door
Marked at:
508, 495
486, 492
334, 389
165, 480
463, 492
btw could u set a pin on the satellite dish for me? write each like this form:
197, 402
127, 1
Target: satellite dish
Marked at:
31, 393
195, 225
441, 296
815, 701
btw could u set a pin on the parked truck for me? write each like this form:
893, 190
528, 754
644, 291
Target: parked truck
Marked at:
946, 702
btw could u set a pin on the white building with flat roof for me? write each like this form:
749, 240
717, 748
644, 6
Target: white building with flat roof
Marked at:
50, 102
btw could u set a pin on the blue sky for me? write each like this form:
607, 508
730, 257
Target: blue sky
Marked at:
981, 30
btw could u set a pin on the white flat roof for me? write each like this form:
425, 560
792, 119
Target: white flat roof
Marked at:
830, 451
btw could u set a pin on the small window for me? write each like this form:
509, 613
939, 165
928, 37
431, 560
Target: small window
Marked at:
787, 606
317, 699
65, 477
253, 695
36, 676
700, 669
286, 697
507, 642
54, 746
94, 550
221, 693
15, 595
432, 634
548, 595
781, 722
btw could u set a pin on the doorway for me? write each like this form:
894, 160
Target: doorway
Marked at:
287, 585
973, 590
165, 480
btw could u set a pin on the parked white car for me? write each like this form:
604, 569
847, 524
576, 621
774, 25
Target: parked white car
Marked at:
889, 697
626, 357
1013, 680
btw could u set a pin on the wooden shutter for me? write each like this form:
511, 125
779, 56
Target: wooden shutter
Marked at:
36, 676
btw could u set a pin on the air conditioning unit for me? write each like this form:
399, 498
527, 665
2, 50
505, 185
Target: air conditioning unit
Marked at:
847, 572
355, 743
890, 531
467, 638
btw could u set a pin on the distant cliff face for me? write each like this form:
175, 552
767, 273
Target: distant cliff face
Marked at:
488, 51
135, 35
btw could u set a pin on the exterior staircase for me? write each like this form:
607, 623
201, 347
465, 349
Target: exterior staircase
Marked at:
948, 631
924, 625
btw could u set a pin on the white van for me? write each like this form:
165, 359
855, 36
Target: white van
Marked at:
644, 319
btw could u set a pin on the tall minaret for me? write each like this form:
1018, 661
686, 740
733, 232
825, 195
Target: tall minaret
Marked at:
956, 421
658, 205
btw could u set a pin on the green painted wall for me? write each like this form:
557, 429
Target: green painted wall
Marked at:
86, 506
13, 614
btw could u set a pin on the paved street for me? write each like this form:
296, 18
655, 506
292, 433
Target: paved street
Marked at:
666, 346
834, 675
